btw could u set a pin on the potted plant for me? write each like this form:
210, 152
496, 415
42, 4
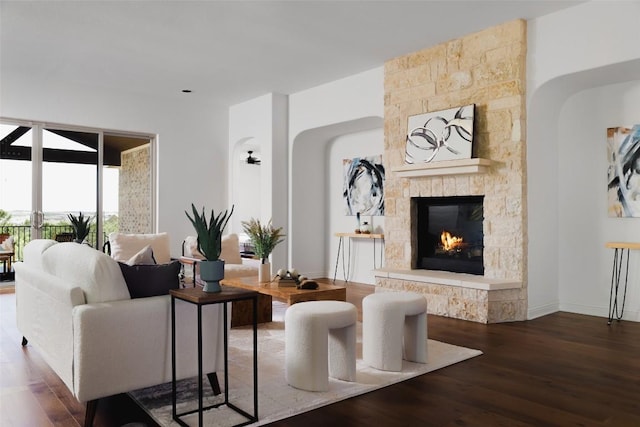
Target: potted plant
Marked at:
264, 239
210, 245
80, 226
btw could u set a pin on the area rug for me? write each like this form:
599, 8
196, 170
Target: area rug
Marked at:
276, 399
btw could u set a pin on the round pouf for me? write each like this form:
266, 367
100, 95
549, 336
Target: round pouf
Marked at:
320, 341
394, 327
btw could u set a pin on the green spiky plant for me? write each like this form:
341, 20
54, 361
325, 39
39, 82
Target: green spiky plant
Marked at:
264, 237
209, 233
80, 226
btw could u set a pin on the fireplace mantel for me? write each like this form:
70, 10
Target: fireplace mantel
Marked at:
446, 167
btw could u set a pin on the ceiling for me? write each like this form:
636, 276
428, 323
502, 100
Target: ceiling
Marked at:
229, 51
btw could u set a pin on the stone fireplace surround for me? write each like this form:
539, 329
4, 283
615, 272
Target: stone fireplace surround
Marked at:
487, 69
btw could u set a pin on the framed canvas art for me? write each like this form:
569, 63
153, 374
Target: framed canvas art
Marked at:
623, 174
440, 135
363, 188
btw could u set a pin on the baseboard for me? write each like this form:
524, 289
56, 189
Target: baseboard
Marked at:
339, 276
599, 311
535, 312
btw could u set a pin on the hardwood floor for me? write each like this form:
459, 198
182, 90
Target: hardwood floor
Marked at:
562, 369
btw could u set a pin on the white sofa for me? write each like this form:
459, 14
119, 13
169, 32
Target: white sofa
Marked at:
74, 307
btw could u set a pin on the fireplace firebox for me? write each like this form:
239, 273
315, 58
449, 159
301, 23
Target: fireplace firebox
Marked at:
447, 233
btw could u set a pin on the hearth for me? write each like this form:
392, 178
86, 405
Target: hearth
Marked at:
447, 233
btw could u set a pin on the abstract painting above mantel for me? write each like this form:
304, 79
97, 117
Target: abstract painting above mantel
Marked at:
440, 135
363, 188
623, 175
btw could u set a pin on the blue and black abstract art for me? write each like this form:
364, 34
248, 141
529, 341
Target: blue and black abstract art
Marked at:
623, 150
363, 189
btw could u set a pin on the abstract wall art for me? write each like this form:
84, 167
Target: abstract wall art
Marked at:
440, 135
623, 174
363, 188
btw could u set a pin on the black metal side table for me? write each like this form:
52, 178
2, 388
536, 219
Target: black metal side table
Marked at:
200, 298
618, 259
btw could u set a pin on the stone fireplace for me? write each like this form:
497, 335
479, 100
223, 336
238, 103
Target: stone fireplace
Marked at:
486, 69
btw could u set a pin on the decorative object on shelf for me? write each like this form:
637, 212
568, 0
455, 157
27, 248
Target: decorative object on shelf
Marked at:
357, 230
290, 278
308, 284
363, 188
210, 245
440, 135
264, 272
264, 239
366, 228
623, 153
81, 226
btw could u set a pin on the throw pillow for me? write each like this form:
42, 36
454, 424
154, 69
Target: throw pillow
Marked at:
7, 244
124, 246
143, 257
151, 280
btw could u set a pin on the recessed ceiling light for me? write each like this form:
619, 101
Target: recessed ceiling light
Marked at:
186, 90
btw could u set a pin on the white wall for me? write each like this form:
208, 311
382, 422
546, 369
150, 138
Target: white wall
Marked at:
249, 125
317, 117
585, 264
604, 51
360, 144
582, 37
247, 191
192, 134
261, 122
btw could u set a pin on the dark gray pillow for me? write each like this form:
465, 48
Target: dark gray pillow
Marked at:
151, 280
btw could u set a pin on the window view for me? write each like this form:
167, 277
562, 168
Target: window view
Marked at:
69, 184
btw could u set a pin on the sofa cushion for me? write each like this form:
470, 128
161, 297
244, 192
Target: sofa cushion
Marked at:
232, 271
124, 246
32, 253
230, 249
95, 272
143, 257
150, 280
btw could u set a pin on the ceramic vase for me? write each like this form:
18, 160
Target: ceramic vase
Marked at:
365, 228
264, 272
211, 272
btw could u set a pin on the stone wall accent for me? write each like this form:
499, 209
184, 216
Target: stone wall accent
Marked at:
487, 69
134, 200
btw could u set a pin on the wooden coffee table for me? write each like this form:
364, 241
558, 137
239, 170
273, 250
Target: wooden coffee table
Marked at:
241, 311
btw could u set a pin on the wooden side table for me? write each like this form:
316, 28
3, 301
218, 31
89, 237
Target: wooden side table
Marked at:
618, 260
6, 257
200, 298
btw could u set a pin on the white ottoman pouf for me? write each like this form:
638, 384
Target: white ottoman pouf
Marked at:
394, 326
320, 341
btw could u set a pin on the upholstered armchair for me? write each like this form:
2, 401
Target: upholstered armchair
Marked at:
234, 266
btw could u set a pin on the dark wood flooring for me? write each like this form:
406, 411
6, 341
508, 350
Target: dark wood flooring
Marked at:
559, 370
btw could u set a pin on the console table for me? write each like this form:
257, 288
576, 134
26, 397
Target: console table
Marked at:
346, 270
618, 259
200, 298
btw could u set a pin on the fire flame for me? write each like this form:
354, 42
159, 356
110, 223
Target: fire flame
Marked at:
450, 242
